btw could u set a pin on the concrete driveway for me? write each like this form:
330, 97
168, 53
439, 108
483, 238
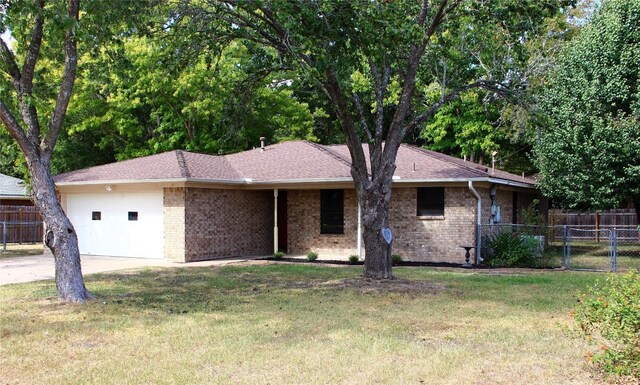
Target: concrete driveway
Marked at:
40, 267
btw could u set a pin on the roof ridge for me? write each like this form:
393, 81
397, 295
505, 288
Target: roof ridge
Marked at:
462, 163
447, 158
182, 164
223, 158
329, 152
228, 163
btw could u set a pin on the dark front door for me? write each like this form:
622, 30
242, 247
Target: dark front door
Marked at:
282, 221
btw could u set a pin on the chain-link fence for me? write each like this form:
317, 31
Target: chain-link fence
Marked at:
627, 248
589, 249
577, 248
538, 246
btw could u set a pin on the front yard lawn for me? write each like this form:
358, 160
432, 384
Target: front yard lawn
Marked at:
296, 324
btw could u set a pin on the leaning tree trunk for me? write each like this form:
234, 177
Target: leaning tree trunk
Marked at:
375, 212
60, 236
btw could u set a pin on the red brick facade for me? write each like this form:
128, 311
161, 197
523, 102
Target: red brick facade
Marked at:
213, 223
303, 207
221, 223
428, 239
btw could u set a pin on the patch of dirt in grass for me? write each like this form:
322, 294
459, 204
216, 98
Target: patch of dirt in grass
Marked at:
364, 285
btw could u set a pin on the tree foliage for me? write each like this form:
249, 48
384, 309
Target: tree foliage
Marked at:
589, 150
39, 67
139, 98
378, 63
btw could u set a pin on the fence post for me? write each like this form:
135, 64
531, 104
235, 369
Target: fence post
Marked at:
4, 237
20, 218
565, 254
614, 237
597, 226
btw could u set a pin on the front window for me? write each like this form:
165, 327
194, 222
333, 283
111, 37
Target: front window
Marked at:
332, 212
430, 201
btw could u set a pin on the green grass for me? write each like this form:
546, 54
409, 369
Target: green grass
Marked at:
16, 250
296, 324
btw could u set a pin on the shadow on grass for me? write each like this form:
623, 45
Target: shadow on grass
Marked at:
153, 296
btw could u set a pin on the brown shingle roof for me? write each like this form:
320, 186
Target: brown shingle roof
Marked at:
283, 162
296, 160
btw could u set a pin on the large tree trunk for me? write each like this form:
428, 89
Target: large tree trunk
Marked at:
375, 212
60, 236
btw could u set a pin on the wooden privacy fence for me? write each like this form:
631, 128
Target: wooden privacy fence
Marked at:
20, 224
599, 220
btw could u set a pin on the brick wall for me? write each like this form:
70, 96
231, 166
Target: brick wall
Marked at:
221, 223
416, 238
433, 239
303, 230
504, 199
212, 223
174, 223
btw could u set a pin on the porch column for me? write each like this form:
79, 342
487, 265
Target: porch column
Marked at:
359, 231
275, 220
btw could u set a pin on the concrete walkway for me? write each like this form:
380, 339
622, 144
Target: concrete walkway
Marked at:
40, 267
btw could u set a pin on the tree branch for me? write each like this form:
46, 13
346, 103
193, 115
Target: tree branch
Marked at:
381, 83
23, 80
31, 57
10, 62
363, 118
433, 109
15, 129
359, 164
396, 133
68, 79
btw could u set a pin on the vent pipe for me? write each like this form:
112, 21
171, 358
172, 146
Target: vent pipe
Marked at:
493, 162
262, 139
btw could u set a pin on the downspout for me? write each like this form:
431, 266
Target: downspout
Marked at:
478, 220
275, 220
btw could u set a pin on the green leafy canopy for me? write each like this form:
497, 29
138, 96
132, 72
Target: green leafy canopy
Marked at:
589, 152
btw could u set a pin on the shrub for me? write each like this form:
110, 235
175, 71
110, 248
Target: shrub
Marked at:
396, 259
278, 255
609, 313
312, 256
507, 249
353, 259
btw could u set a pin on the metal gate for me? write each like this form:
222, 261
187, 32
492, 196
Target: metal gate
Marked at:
614, 249
626, 248
588, 249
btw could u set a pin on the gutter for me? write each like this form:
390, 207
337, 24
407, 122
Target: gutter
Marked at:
250, 182
504, 182
478, 220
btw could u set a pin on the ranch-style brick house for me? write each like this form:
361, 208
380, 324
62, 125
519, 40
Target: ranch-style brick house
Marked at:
293, 196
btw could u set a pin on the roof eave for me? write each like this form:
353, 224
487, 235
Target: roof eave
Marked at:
249, 181
23, 197
504, 182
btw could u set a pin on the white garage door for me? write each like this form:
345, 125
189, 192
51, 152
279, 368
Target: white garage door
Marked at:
118, 224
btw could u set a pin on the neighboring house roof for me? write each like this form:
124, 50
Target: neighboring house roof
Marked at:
12, 187
287, 162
